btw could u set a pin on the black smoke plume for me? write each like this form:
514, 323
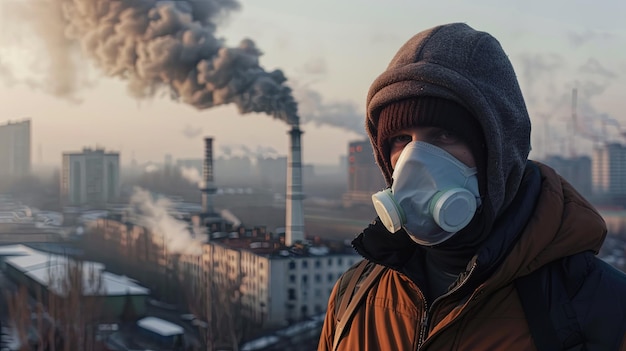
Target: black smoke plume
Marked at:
171, 46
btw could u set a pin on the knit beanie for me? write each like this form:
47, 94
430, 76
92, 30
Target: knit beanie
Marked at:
427, 111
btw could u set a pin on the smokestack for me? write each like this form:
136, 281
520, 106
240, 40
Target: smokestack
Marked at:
294, 222
208, 187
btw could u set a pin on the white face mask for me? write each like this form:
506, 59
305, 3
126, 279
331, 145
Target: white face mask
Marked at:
433, 195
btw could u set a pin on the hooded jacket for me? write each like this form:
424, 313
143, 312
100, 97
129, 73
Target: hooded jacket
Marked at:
537, 216
482, 311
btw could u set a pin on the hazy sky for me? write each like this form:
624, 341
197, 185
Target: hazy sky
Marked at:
330, 52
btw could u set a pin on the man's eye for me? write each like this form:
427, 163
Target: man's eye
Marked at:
400, 139
447, 137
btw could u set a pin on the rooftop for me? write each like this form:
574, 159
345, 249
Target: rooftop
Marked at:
160, 326
50, 270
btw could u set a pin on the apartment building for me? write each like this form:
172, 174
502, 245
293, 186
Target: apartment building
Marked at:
15, 149
364, 177
609, 170
90, 177
276, 286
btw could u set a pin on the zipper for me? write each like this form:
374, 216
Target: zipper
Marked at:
426, 317
424, 321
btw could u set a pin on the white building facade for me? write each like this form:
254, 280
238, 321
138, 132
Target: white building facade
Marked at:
299, 286
91, 177
275, 289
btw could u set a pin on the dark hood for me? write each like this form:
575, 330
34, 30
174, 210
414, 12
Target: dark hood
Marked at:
456, 62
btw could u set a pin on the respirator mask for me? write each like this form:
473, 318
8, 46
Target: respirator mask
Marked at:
433, 195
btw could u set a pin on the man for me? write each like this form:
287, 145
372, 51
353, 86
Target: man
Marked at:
475, 247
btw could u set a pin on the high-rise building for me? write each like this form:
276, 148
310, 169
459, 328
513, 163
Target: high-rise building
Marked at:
364, 177
91, 177
609, 170
15, 149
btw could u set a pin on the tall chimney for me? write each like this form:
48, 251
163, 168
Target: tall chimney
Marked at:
208, 187
294, 222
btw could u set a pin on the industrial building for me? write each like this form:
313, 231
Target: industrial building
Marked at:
364, 177
90, 177
278, 284
15, 149
44, 273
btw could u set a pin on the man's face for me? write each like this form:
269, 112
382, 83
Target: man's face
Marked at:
436, 136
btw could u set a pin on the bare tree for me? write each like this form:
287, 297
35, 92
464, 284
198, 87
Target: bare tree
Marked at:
217, 299
138, 256
63, 315
19, 314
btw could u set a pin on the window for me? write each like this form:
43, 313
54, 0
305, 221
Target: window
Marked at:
291, 294
340, 261
318, 278
330, 261
292, 265
305, 264
318, 263
330, 277
292, 278
305, 279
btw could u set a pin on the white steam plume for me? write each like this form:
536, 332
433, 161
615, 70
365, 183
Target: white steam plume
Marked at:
240, 150
155, 215
229, 216
191, 174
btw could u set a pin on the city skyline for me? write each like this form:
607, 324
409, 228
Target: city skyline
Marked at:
329, 53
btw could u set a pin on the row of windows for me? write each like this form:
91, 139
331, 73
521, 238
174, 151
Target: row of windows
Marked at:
317, 278
318, 263
292, 296
304, 310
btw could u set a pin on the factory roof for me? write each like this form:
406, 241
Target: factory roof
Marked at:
50, 270
274, 248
